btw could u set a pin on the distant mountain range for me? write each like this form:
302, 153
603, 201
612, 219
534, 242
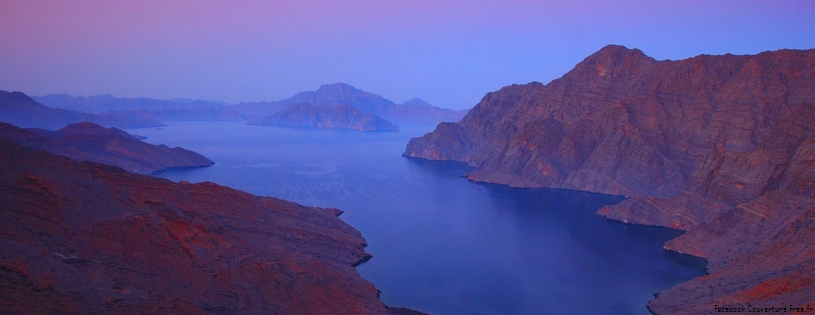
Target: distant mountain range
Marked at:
330, 95
21, 110
103, 103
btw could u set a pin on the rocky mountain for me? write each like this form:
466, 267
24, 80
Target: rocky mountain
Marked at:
111, 146
93, 239
342, 116
332, 95
720, 146
18, 109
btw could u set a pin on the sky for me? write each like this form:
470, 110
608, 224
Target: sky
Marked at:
448, 53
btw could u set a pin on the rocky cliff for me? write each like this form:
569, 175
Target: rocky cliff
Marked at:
719, 146
111, 146
84, 238
21, 110
322, 117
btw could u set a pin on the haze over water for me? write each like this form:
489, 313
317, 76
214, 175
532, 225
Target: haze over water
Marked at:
442, 244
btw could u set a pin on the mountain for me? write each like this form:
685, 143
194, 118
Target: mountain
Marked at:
94, 143
332, 95
142, 108
322, 117
19, 109
719, 146
103, 103
89, 238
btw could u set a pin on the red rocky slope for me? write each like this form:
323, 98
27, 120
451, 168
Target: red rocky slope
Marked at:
720, 146
83, 238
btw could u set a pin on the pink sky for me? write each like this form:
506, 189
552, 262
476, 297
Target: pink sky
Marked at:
448, 53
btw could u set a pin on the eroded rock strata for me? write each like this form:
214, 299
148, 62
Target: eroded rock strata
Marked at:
342, 116
84, 238
90, 142
720, 146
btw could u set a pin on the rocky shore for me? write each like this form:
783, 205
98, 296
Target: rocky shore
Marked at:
94, 239
720, 146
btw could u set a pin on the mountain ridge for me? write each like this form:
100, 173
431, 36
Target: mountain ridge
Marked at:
331, 95
19, 109
696, 144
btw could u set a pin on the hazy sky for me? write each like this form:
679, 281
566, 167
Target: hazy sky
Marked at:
449, 53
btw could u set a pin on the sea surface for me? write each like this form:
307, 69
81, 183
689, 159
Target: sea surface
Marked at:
440, 243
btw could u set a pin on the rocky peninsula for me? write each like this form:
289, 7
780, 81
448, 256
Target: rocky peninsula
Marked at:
722, 147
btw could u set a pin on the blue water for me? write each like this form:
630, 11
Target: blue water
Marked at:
442, 244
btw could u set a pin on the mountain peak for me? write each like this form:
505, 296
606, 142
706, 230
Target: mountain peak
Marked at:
338, 88
416, 102
614, 60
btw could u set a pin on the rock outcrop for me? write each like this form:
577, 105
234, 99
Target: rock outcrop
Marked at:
720, 146
21, 110
85, 238
304, 115
90, 142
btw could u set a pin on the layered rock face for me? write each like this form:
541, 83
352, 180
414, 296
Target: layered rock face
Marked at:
19, 109
720, 146
111, 146
84, 238
322, 117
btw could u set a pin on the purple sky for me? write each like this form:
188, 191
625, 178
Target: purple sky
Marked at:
449, 53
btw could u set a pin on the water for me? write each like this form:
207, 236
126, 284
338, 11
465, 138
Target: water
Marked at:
442, 244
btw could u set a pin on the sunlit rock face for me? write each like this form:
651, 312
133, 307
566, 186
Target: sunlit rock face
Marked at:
720, 146
93, 239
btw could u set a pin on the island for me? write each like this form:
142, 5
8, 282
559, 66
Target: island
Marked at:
343, 116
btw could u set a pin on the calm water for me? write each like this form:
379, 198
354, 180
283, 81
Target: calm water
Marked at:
442, 244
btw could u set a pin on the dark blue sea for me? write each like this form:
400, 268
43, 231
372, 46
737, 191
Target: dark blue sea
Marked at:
442, 244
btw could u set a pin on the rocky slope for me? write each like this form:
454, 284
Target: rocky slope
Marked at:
111, 146
84, 238
322, 117
18, 109
720, 146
